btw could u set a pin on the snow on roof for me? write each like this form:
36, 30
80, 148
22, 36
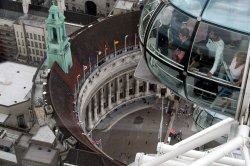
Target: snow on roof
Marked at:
15, 82
3, 117
44, 134
8, 156
125, 5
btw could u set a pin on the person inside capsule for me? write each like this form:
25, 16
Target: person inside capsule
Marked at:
215, 46
234, 74
201, 62
179, 55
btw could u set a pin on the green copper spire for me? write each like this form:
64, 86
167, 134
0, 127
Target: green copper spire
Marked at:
58, 47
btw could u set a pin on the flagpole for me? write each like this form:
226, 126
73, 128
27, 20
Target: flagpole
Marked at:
125, 43
105, 51
84, 68
84, 75
115, 47
89, 65
135, 39
97, 60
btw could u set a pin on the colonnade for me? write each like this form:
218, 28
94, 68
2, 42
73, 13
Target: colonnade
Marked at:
114, 92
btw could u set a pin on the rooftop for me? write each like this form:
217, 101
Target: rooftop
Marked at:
11, 15
44, 134
125, 5
40, 154
32, 20
8, 156
15, 82
24, 141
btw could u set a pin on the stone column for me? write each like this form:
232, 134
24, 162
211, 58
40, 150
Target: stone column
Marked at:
118, 90
137, 83
127, 87
147, 88
90, 122
95, 109
102, 102
158, 90
109, 95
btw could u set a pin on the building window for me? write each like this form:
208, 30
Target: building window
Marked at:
107, 4
24, 50
33, 52
41, 53
27, 35
21, 35
32, 45
40, 45
43, 38
21, 121
36, 45
35, 37
39, 37
28, 42
131, 91
18, 41
37, 52
121, 95
31, 36
22, 43
43, 46
17, 34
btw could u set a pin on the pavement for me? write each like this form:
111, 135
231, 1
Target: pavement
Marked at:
139, 131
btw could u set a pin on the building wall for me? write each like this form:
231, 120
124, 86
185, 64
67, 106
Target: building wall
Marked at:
8, 46
32, 45
16, 112
20, 152
103, 7
7, 163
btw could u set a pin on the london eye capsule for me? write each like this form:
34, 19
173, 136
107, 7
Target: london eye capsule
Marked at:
200, 50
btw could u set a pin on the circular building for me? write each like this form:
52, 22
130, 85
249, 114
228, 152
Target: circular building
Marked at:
199, 50
93, 81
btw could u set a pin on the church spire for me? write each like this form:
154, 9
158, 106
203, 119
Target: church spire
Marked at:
58, 47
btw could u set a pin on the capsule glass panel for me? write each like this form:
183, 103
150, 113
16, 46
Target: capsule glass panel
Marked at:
193, 7
216, 68
229, 13
169, 37
211, 95
169, 41
146, 14
167, 75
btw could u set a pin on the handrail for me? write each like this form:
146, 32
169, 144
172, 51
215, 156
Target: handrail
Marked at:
214, 79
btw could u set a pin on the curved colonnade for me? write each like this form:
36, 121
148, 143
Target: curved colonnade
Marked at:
72, 113
111, 86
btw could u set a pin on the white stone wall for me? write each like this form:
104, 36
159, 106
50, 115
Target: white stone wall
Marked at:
14, 111
109, 87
